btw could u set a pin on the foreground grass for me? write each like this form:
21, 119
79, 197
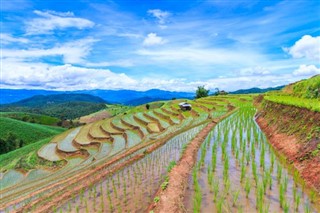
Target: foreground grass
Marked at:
28, 132
27, 155
311, 104
31, 117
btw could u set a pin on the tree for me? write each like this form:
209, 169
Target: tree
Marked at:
202, 92
148, 106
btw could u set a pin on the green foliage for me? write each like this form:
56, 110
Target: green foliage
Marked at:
28, 154
156, 199
27, 132
11, 142
309, 88
311, 104
69, 110
31, 117
171, 165
202, 92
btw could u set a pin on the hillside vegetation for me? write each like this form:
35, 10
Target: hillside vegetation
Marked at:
31, 117
16, 134
303, 94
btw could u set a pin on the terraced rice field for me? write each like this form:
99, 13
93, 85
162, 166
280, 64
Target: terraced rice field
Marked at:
238, 171
98, 143
118, 164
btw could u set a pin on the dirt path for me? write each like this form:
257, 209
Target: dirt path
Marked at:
294, 151
171, 200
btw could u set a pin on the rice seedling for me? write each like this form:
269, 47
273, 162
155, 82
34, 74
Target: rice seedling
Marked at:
247, 187
313, 196
227, 185
279, 173
220, 205
281, 195
297, 200
243, 172
307, 208
285, 183
215, 187
286, 207
235, 197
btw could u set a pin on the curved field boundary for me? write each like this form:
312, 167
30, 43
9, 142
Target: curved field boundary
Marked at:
108, 129
137, 128
171, 199
11, 178
117, 126
96, 133
201, 106
140, 118
82, 137
154, 119
48, 152
165, 117
66, 145
168, 111
60, 191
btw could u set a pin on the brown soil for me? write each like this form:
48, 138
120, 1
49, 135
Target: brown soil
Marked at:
294, 150
171, 199
95, 117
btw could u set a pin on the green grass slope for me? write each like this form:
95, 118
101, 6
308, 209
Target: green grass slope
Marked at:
308, 88
302, 94
31, 117
28, 132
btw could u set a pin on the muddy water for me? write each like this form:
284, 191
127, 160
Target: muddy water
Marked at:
132, 188
227, 193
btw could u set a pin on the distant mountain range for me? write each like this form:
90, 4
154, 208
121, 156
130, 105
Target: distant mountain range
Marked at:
62, 106
43, 100
256, 90
129, 97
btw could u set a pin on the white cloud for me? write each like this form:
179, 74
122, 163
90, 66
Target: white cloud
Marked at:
257, 70
17, 74
64, 77
72, 52
306, 47
160, 15
152, 39
306, 70
51, 20
7, 39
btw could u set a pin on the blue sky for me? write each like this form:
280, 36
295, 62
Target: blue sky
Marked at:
164, 44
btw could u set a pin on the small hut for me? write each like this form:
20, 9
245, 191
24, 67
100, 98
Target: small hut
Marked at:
185, 106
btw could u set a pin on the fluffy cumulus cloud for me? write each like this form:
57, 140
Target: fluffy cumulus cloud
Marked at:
306, 70
64, 77
152, 39
160, 15
306, 47
51, 20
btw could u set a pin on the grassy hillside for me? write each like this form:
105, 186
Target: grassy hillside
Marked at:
31, 117
25, 157
69, 110
303, 94
27, 132
308, 88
